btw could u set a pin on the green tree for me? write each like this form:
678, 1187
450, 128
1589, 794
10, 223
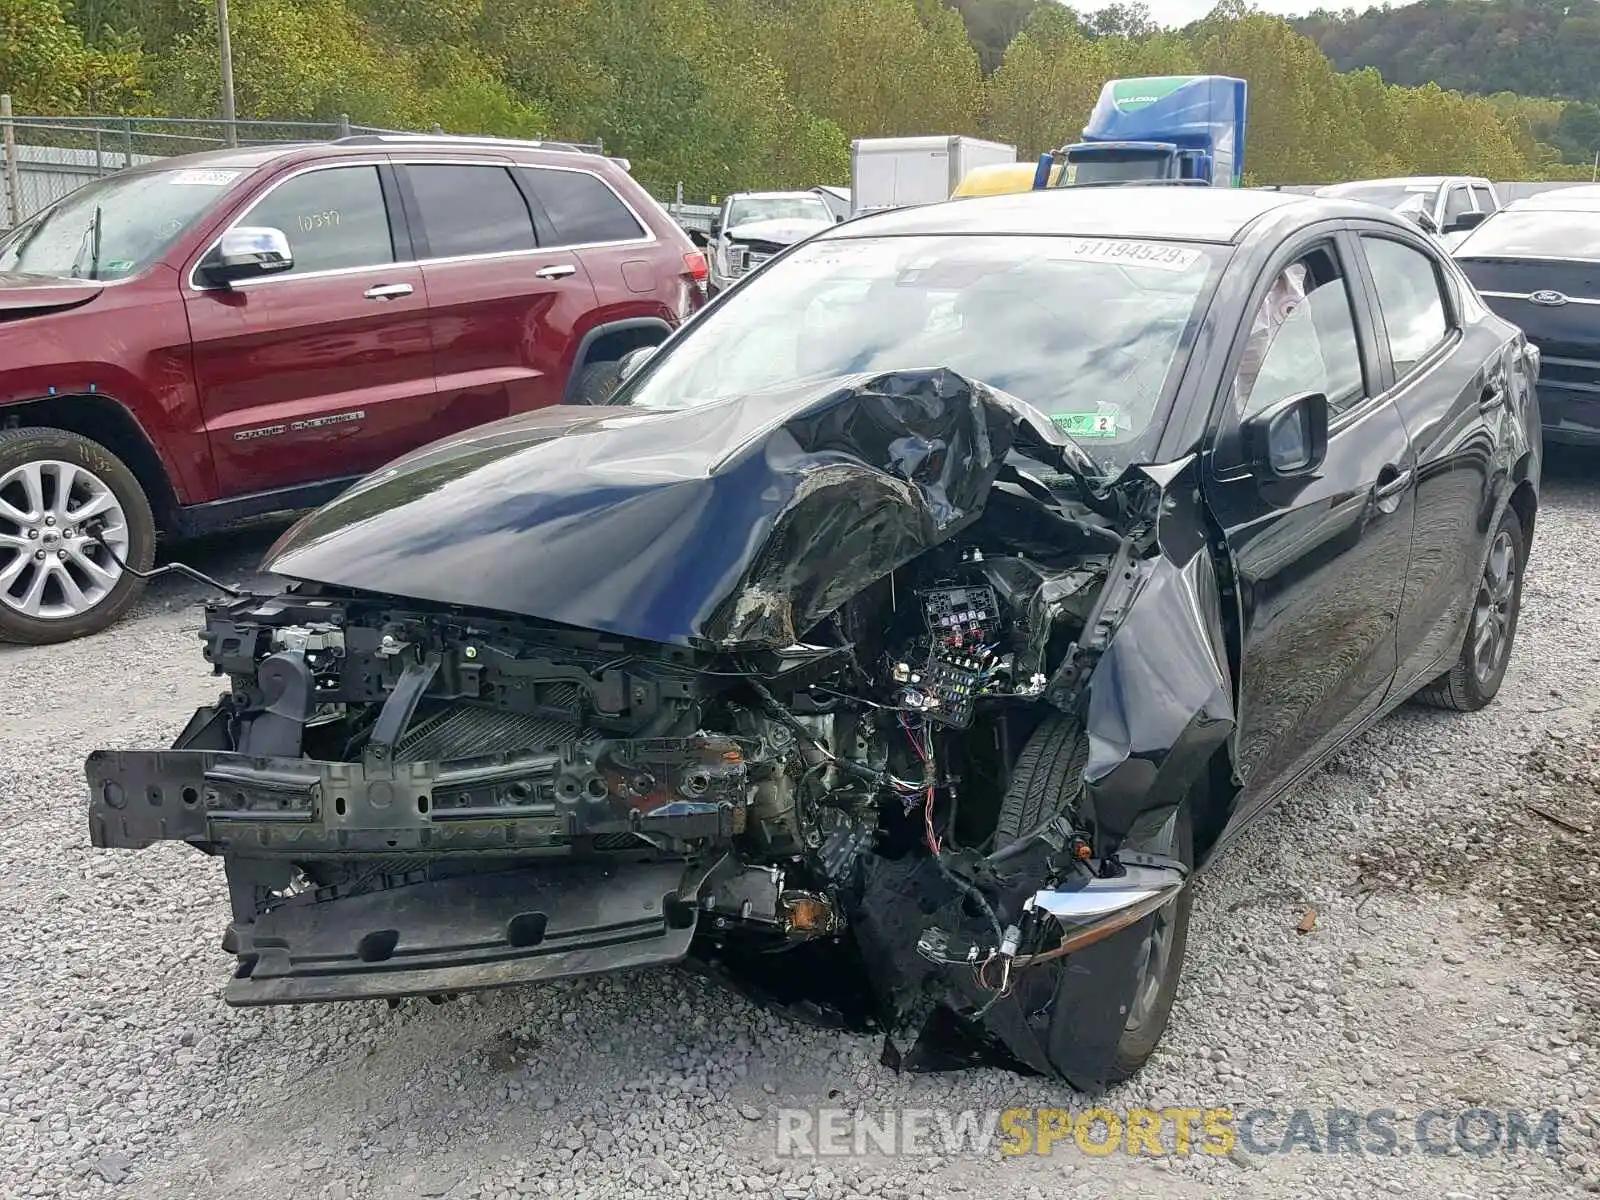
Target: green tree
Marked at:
47, 68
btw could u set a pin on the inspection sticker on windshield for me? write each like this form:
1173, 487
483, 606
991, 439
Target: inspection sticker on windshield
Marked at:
1124, 252
1101, 424
201, 178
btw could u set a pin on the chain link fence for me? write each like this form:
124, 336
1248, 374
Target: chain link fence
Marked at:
44, 158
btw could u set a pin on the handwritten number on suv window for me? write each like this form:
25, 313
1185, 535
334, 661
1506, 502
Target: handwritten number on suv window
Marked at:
319, 220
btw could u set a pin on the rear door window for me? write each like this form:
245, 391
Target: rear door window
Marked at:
582, 207
468, 210
1416, 318
334, 217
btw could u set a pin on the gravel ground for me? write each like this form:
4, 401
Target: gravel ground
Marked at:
1454, 963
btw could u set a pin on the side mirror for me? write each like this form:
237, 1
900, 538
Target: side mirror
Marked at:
630, 362
700, 238
1465, 221
249, 252
1425, 219
1288, 439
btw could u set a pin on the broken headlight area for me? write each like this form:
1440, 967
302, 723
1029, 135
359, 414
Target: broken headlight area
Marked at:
419, 798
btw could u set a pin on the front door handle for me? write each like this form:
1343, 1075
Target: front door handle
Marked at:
1392, 482
558, 272
1493, 397
387, 291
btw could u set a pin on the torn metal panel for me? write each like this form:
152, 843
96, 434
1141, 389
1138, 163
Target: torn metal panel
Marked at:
732, 524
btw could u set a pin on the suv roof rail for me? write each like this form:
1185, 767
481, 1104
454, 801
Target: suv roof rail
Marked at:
384, 139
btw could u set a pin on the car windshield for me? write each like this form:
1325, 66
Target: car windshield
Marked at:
1091, 331
1534, 233
1390, 195
777, 208
113, 227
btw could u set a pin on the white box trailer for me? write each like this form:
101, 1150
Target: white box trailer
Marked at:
897, 171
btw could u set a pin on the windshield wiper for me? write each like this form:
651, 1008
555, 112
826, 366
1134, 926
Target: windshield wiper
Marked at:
91, 241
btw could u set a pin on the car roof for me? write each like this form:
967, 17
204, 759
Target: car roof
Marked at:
250, 158
1568, 199
1196, 214
799, 195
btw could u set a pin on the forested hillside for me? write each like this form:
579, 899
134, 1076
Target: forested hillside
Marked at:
1544, 48
720, 94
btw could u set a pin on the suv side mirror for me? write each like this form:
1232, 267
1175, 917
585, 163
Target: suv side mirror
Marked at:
249, 252
1425, 219
700, 238
1464, 221
1288, 439
630, 362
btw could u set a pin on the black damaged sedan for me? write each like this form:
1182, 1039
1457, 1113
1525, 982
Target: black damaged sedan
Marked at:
899, 641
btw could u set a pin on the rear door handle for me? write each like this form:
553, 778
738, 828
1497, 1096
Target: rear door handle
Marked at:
558, 272
1492, 398
1392, 481
387, 291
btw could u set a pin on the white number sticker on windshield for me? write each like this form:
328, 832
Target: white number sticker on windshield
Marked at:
1124, 252
200, 178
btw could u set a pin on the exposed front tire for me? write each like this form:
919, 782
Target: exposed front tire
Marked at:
56, 582
1047, 780
1491, 628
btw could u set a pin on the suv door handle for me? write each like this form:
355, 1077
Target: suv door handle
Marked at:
1492, 398
1392, 481
558, 272
387, 291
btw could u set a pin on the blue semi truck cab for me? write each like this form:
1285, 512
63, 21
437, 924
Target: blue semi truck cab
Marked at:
1159, 128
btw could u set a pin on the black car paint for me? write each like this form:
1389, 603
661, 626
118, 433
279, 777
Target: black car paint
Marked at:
662, 525
1276, 617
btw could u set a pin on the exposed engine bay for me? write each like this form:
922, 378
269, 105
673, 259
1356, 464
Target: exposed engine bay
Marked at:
417, 797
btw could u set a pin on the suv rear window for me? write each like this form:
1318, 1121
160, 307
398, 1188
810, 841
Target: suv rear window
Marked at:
582, 208
470, 210
1534, 234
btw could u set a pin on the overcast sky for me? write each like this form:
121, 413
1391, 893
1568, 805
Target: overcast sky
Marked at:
1181, 12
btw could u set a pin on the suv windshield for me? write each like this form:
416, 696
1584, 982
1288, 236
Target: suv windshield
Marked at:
1534, 233
777, 208
114, 227
1091, 331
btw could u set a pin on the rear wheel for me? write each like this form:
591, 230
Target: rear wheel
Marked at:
56, 582
1491, 628
596, 382
1046, 781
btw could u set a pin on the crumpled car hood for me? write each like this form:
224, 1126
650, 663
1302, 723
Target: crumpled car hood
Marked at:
780, 231
734, 524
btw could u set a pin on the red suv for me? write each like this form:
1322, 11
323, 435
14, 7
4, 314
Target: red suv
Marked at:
217, 336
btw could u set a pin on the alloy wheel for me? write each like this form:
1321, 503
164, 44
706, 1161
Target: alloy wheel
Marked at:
50, 568
1491, 615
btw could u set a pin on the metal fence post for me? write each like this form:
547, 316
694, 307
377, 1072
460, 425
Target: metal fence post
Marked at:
99, 156
8, 148
344, 125
127, 141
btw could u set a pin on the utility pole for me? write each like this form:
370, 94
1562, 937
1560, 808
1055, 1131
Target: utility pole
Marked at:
225, 50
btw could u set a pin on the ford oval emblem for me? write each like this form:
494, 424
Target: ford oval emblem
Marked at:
1548, 298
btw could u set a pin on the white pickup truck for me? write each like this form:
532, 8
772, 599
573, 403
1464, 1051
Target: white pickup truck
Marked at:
1447, 206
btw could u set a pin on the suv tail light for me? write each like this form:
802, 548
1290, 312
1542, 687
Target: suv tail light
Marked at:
695, 264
